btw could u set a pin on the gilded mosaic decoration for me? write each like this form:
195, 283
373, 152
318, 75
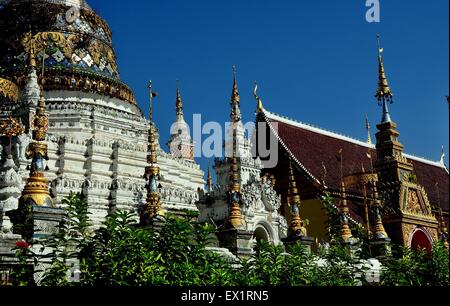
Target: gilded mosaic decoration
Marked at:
77, 53
84, 43
9, 90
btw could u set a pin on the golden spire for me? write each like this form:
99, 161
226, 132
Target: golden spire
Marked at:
345, 232
36, 190
179, 101
235, 99
152, 171
384, 92
234, 188
296, 226
260, 107
379, 231
369, 137
209, 180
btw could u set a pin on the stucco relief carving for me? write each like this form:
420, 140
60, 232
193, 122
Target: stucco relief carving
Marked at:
413, 204
407, 229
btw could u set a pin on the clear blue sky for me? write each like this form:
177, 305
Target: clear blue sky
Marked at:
315, 61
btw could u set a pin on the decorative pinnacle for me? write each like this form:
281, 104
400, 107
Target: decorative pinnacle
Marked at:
369, 137
379, 231
235, 99
179, 101
296, 226
384, 92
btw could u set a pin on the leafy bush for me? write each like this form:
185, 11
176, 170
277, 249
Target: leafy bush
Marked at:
416, 268
121, 253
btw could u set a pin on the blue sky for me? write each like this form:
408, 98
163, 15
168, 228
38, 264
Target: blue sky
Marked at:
315, 61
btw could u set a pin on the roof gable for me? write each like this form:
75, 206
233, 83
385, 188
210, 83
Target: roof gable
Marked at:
315, 149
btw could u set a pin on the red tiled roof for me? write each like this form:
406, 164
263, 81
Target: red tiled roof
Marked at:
311, 147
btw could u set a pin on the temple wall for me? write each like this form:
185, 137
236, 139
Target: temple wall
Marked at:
314, 211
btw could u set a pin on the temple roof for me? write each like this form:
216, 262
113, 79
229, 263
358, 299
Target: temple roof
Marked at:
312, 148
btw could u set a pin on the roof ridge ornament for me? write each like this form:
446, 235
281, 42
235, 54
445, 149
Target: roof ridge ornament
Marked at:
260, 107
442, 159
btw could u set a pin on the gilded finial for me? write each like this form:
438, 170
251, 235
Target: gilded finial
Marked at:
31, 50
384, 94
296, 226
369, 137
235, 116
258, 99
383, 91
235, 98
